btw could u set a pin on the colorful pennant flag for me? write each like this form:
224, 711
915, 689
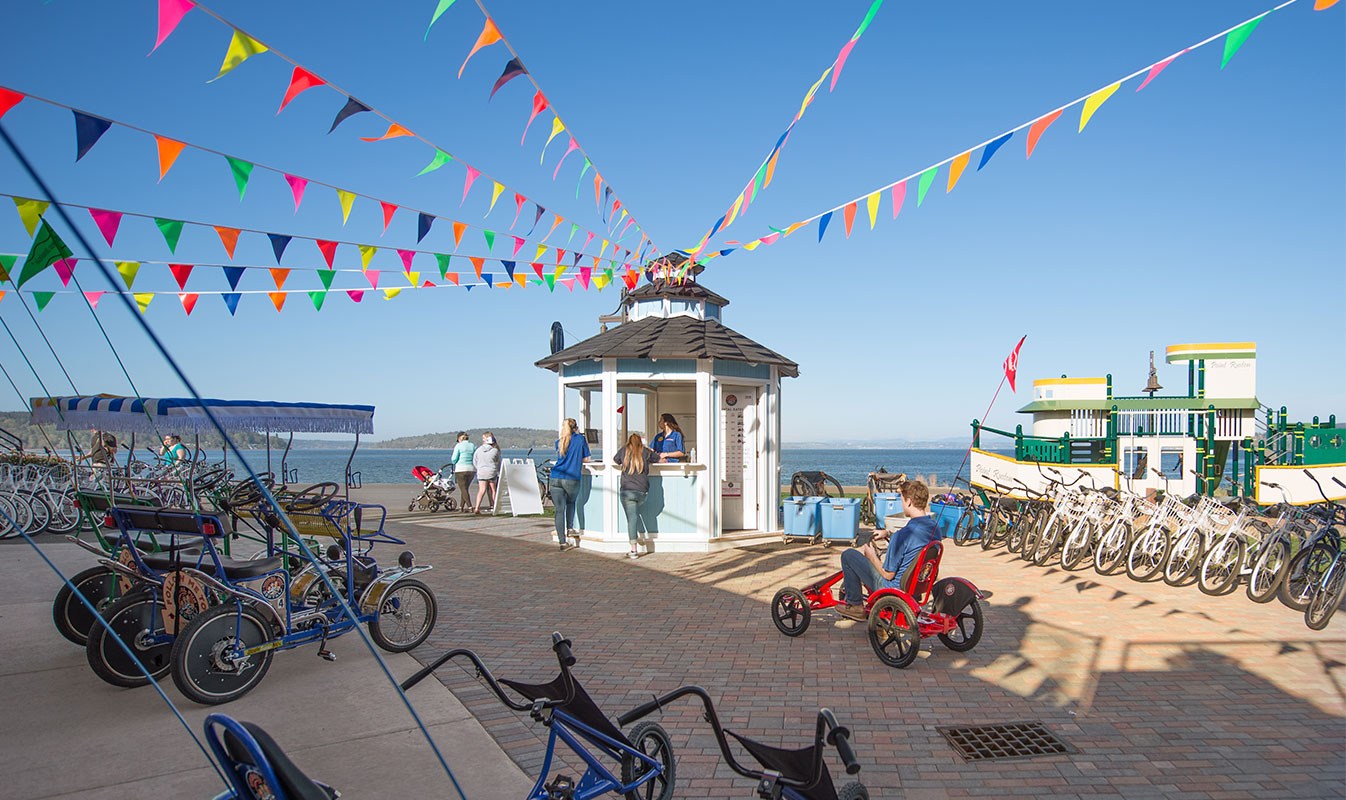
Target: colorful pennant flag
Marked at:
318, 298
180, 274
172, 231
64, 269
394, 131
956, 170
989, 149
366, 253
489, 35
242, 170
277, 299
1158, 68
88, 130
8, 99
347, 200
467, 182
301, 80
347, 111
1235, 38
423, 223
899, 192
231, 274
871, 204
326, 276
279, 243
188, 301
241, 48
143, 299
231, 301
91, 298
31, 211
439, 10
513, 69
297, 186
171, 13
1039, 125
128, 270
327, 248
228, 238
42, 298
169, 151
458, 229
388, 210
1093, 101
539, 105
849, 214
927, 178
441, 158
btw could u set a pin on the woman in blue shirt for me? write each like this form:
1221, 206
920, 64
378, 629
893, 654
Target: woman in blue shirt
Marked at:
564, 482
668, 442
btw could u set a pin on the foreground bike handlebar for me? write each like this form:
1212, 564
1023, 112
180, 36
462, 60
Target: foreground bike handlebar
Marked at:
827, 730
564, 657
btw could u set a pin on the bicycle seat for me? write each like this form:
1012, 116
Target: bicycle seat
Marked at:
581, 706
181, 556
797, 765
242, 570
292, 780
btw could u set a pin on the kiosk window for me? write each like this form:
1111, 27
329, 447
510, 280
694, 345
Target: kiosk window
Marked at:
1170, 462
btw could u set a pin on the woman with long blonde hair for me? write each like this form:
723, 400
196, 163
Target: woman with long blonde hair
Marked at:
564, 483
635, 460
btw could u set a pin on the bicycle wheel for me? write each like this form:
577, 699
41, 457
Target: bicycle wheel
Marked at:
65, 513
22, 514
652, 741
1147, 555
1268, 571
1305, 571
1028, 547
1112, 548
205, 663
1014, 542
962, 532
1184, 559
1051, 537
1327, 599
1221, 567
406, 616
7, 515
42, 512
1075, 552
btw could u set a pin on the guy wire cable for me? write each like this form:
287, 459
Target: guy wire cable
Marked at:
266, 492
38, 325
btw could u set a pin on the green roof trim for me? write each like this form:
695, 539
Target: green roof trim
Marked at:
1143, 404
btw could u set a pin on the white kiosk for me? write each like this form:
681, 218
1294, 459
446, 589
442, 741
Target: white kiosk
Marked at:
670, 353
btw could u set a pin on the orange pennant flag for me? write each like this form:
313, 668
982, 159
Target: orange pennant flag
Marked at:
1035, 130
458, 229
277, 298
451, 276
956, 170
476, 264
394, 130
168, 153
489, 36
229, 238
850, 218
279, 276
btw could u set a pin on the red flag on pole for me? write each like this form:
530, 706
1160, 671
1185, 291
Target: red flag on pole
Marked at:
1012, 363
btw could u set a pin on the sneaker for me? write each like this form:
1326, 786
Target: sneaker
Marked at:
633, 555
853, 612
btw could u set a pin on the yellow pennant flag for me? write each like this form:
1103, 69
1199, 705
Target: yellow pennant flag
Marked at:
31, 211
872, 205
414, 278
794, 227
1093, 101
128, 270
391, 293
750, 246
241, 48
956, 170
556, 127
605, 246
808, 98
143, 300
733, 210
347, 200
496, 189
600, 281
367, 252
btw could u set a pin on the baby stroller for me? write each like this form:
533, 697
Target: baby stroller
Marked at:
436, 490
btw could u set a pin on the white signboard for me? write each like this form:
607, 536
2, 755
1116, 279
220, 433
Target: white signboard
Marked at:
995, 472
518, 492
1295, 485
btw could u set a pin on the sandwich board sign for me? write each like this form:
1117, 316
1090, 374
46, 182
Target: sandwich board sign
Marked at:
518, 492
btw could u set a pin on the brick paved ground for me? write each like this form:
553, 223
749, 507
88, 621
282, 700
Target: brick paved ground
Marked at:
1166, 692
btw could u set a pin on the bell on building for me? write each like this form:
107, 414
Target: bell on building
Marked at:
1152, 385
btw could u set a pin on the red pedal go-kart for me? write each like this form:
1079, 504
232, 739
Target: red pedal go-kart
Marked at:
898, 618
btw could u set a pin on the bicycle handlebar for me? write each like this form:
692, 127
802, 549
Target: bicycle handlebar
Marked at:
560, 645
827, 729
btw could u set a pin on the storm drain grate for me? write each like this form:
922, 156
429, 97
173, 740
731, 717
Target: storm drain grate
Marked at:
1001, 742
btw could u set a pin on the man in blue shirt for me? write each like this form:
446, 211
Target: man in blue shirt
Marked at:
862, 565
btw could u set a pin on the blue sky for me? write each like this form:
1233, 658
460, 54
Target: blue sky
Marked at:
1209, 207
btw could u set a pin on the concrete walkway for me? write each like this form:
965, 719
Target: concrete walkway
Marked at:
67, 734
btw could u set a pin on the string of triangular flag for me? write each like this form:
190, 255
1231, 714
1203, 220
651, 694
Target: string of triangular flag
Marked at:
243, 46
762, 176
1233, 38
89, 129
491, 34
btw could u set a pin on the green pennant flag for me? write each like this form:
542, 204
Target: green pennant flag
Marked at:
587, 165
443, 264
441, 158
927, 178
873, 9
46, 250
128, 270
172, 231
6, 264
551, 282
1235, 39
490, 239
242, 170
42, 298
326, 276
761, 175
440, 9
317, 298
573, 229
608, 273
30, 211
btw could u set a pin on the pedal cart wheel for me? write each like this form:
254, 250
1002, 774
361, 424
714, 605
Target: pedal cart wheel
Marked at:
893, 632
968, 632
133, 618
206, 664
790, 611
407, 614
653, 741
854, 790
73, 619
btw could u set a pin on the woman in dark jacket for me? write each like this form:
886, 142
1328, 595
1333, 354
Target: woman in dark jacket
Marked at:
635, 460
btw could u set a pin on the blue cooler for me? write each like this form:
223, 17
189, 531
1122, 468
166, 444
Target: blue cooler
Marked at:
886, 504
946, 518
801, 518
840, 519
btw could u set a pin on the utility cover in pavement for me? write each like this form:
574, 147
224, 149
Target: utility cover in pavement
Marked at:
1005, 741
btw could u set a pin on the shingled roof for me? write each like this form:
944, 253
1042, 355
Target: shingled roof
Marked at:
675, 337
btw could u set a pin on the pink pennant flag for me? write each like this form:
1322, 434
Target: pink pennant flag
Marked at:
356, 295
518, 206
107, 222
585, 272
388, 210
841, 62
572, 148
586, 242
467, 184
1158, 68
518, 245
569, 283
93, 298
171, 13
406, 256
64, 268
539, 105
373, 276
297, 189
180, 274
899, 194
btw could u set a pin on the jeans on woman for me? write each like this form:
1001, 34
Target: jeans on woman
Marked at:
631, 501
564, 492
857, 569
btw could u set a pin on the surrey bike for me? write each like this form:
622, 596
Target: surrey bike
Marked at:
785, 774
638, 765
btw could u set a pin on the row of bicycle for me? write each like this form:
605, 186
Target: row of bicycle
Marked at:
1286, 551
